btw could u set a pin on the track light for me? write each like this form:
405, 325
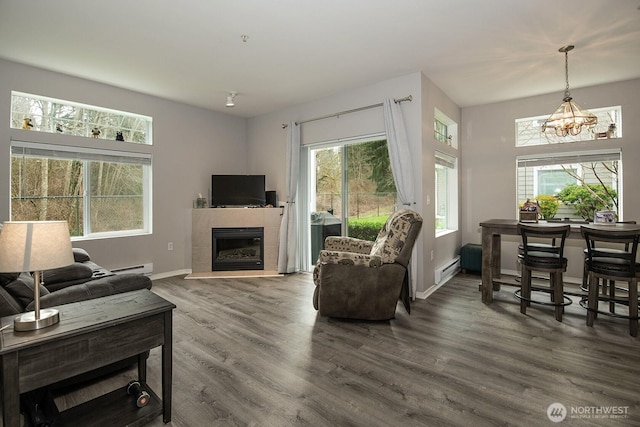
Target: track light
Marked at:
230, 99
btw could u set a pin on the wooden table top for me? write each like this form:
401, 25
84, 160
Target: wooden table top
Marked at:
510, 226
86, 316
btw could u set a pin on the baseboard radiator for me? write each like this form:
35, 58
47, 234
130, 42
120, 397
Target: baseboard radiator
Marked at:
146, 269
447, 271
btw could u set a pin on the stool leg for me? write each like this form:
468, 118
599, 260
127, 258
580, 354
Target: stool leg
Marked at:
633, 307
525, 289
592, 302
612, 295
558, 292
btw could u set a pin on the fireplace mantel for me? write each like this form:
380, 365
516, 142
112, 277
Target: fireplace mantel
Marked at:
203, 220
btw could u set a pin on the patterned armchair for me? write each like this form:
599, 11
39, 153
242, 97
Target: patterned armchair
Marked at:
360, 279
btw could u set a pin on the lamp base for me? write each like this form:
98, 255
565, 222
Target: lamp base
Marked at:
28, 322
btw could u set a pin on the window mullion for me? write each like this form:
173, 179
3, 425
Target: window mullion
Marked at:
86, 198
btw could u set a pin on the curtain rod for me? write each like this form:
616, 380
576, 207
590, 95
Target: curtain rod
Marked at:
354, 110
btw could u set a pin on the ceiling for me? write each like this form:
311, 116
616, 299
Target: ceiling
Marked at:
192, 51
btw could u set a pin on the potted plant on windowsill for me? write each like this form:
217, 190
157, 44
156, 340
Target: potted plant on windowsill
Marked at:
548, 205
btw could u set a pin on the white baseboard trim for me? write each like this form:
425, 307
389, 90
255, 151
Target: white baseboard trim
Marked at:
425, 294
170, 274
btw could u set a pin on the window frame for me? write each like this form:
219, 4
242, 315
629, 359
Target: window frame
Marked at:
448, 164
87, 155
111, 120
573, 158
532, 126
451, 138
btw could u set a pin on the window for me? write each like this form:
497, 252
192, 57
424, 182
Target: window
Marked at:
552, 179
445, 130
577, 183
71, 118
446, 192
100, 193
351, 189
529, 130
440, 131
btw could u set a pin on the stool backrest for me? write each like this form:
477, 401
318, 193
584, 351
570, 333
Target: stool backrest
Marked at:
621, 261
548, 233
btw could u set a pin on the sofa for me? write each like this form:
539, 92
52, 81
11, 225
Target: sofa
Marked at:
80, 281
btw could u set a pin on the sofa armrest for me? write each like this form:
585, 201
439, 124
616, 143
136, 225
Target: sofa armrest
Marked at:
8, 303
95, 289
348, 258
348, 244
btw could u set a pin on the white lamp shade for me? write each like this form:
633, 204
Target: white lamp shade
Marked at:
34, 246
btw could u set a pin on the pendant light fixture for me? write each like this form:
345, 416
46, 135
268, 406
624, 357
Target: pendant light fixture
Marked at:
569, 118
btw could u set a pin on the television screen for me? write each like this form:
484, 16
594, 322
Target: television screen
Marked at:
237, 190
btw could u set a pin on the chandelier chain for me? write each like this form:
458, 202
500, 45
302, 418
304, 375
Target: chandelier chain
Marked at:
567, 94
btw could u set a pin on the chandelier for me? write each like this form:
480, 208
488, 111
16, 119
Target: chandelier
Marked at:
569, 118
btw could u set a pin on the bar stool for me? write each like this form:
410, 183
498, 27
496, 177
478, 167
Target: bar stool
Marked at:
614, 263
604, 284
547, 257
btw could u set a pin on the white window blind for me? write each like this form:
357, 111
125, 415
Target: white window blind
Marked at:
31, 149
568, 158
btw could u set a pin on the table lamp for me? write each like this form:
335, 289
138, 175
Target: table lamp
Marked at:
35, 246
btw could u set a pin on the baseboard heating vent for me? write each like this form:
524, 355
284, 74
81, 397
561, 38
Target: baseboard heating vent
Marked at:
146, 269
445, 272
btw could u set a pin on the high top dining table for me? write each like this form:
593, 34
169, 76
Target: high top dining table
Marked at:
492, 231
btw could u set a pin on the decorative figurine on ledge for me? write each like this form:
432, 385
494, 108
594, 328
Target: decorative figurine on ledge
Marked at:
119, 136
95, 133
26, 123
530, 211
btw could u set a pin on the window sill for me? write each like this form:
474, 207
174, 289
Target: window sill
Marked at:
442, 233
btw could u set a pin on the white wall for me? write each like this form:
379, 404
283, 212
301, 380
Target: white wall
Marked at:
189, 145
489, 153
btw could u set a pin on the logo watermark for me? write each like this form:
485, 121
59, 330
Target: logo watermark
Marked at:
557, 412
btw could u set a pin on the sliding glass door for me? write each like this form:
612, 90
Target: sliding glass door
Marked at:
351, 190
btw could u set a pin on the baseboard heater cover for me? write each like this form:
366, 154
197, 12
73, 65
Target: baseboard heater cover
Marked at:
146, 269
446, 271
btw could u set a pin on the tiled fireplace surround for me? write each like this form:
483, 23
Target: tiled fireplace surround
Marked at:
203, 220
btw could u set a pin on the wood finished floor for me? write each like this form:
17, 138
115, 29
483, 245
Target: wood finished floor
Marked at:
253, 352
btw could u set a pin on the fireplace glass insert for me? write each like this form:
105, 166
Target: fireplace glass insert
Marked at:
237, 248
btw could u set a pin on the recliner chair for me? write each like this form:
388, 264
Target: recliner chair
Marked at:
360, 279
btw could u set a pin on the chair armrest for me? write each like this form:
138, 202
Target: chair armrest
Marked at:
348, 258
348, 244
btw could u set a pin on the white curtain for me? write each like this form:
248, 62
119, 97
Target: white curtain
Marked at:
401, 168
288, 246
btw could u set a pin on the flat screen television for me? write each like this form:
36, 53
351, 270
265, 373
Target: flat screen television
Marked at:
237, 190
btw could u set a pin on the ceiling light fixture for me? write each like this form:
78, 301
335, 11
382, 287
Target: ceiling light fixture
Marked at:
230, 99
569, 118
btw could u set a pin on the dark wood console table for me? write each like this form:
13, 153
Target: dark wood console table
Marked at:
493, 229
91, 334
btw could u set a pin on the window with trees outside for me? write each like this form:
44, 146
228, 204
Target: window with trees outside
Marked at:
446, 193
98, 190
44, 114
352, 191
572, 185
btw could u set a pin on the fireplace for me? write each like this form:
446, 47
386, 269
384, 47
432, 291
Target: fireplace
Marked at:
237, 248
